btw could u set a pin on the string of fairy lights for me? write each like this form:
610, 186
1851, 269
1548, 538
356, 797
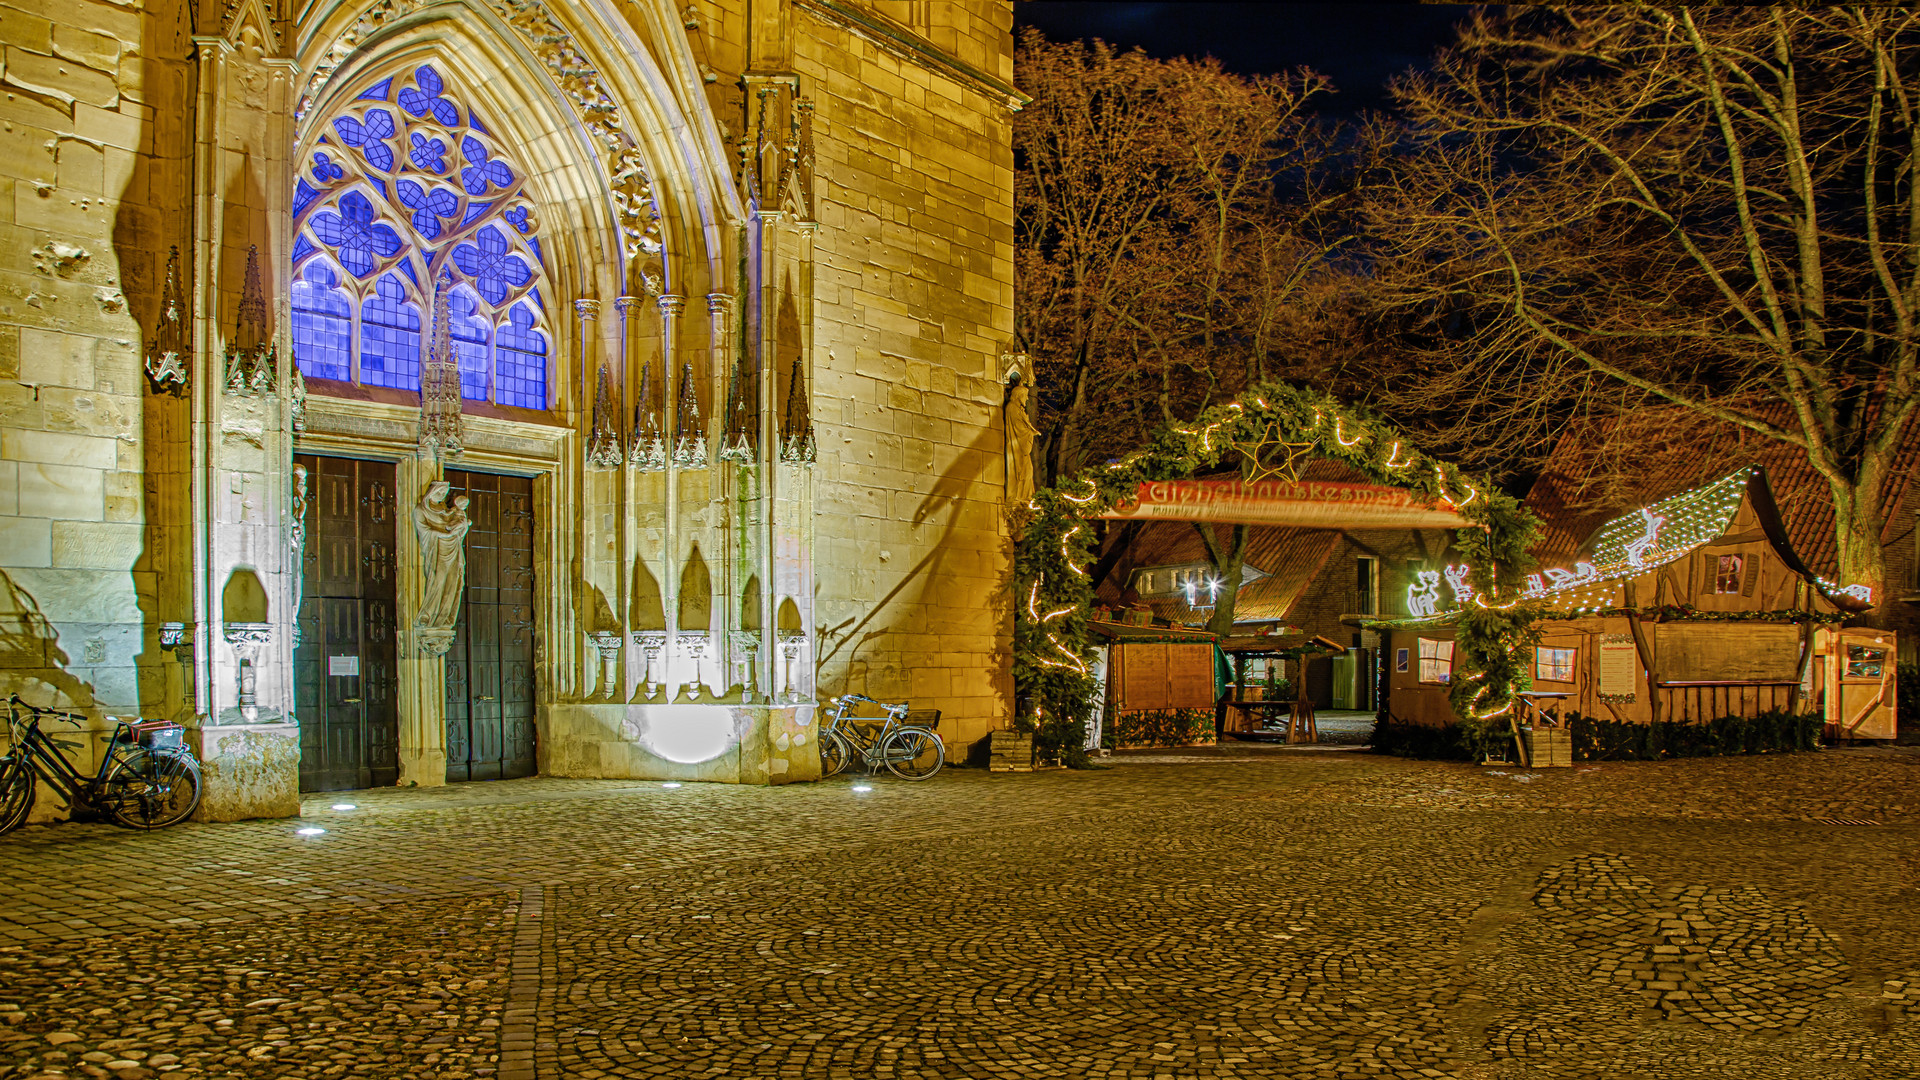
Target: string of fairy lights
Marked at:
1272, 428
1624, 548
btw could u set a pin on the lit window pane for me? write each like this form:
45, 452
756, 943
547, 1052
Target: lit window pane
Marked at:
390, 338
322, 324
1436, 661
471, 334
1553, 665
520, 359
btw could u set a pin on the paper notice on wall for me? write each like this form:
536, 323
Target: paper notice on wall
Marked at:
343, 665
1619, 670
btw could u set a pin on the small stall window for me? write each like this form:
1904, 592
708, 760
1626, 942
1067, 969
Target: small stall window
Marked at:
1727, 581
1553, 665
1436, 661
1865, 662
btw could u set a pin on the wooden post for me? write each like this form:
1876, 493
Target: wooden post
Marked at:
1646, 655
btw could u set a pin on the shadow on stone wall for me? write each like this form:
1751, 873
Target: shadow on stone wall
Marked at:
851, 636
30, 653
645, 610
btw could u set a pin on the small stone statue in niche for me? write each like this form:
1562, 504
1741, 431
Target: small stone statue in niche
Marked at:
442, 529
297, 541
1020, 434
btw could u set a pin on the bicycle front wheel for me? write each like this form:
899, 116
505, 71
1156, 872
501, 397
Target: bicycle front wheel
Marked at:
834, 754
151, 790
17, 783
914, 753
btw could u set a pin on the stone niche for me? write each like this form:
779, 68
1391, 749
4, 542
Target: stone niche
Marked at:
729, 743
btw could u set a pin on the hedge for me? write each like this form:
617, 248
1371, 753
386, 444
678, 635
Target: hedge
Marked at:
1159, 727
1598, 739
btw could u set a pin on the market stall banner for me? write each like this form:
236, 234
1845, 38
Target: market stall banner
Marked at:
1303, 503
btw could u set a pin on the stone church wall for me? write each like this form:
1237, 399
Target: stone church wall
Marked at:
913, 305
915, 308
119, 505
93, 151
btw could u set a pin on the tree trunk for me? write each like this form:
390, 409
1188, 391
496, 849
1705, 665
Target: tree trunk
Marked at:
1227, 565
1857, 526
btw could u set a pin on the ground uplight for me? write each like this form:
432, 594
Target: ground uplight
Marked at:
345, 806
309, 831
671, 783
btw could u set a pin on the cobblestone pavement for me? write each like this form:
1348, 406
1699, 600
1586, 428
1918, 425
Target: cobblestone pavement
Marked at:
1242, 911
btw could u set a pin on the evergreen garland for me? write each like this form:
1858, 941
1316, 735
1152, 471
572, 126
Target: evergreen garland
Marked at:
1054, 688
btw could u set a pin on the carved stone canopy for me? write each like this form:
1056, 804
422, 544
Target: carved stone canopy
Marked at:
251, 361
167, 354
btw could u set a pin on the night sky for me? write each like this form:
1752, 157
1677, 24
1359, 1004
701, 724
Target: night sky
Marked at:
1359, 46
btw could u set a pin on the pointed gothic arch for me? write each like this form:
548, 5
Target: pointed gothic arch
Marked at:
403, 181
616, 88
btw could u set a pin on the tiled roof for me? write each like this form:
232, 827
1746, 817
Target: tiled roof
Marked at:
1805, 500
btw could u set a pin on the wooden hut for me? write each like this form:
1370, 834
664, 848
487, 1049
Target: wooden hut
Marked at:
1691, 608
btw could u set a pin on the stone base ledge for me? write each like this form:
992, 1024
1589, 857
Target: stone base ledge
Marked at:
724, 743
248, 771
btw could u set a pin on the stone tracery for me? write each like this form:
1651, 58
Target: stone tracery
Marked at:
402, 186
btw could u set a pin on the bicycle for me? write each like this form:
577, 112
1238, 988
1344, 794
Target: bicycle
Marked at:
148, 778
905, 743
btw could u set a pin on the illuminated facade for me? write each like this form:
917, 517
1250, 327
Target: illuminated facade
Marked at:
697, 310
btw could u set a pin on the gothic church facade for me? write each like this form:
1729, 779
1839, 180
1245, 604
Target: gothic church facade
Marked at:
416, 390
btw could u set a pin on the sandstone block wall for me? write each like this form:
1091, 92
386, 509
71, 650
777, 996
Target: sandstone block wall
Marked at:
93, 106
913, 309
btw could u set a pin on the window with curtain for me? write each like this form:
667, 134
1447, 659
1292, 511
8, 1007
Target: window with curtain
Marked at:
1436, 661
399, 186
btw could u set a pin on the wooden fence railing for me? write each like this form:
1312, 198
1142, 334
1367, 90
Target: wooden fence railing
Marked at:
1684, 702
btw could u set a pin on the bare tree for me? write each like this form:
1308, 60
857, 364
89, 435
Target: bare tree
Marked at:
1153, 254
1609, 208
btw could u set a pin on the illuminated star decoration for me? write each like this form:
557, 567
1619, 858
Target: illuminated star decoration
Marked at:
1255, 469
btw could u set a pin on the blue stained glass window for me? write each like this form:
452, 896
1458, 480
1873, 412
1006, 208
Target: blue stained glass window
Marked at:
427, 98
470, 333
480, 171
322, 324
325, 169
369, 137
356, 235
491, 265
400, 182
429, 205
428, 154
520, 362
390, 337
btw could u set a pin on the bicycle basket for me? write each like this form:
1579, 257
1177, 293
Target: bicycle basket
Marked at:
160, 734
925, 718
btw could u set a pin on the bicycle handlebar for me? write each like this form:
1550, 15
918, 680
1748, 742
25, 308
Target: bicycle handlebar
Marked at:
40, 710
902, 707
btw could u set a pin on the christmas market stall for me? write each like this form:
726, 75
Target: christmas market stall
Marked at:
1160, 683
1691, 610
1075, 535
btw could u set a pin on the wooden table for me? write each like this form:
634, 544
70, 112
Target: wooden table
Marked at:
1243, 722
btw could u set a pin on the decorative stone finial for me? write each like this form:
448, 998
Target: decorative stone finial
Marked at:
167, 366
